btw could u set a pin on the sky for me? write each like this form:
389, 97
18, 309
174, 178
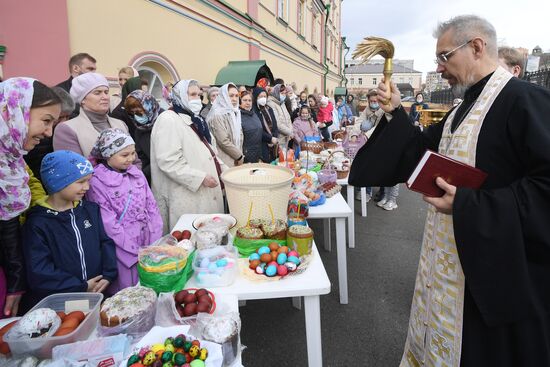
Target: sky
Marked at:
409, 24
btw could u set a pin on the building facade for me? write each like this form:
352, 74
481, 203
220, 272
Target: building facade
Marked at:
363, 77
168, 40
434, 82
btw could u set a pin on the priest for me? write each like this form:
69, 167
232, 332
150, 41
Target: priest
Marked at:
482, 293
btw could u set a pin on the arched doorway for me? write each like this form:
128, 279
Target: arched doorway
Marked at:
156, 69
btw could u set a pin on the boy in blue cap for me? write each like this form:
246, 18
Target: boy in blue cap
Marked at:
65, 245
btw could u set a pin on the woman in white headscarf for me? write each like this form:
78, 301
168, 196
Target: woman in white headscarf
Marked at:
224, 120
185, 167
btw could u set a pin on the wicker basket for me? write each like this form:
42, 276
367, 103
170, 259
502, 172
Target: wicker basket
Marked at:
338, 134
340, 174
258, 185
312, 146
330, 145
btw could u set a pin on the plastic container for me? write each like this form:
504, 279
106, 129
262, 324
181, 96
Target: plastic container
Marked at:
216, 267
42, 347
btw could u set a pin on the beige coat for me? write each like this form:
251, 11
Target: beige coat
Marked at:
220, 127
284, 123
79, 135
179, 163
368, 114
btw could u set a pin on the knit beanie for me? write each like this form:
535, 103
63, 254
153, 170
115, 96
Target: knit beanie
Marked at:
85, 83
61, 168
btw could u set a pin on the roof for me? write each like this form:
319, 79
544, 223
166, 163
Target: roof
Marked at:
244, 73
377, 69
340, 91
404, 86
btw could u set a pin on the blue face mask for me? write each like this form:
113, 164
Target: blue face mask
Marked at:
282, 98
374, 106
141, 119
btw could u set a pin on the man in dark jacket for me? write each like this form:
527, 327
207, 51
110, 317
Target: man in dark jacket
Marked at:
78, 64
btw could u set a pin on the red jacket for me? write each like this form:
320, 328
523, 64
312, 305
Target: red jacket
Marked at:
325, 113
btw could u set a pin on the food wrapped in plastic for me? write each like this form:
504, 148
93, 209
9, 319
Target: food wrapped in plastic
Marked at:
38, 323
163, 265
221, 329
207, 237
131, 311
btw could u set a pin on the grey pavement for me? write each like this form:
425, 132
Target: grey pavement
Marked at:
371, 329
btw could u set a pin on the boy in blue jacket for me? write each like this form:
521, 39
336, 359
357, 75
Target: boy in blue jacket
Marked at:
65, 245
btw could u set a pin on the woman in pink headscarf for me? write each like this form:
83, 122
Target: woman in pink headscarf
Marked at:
28, 110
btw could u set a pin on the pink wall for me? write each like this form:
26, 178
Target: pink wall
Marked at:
36, 34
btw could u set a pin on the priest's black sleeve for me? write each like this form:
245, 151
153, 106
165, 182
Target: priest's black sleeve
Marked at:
393, 151
502, 231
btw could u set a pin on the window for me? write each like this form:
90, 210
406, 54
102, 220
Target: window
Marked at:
282, 9
360, 81
154, 80
315, 31
352, 81
301, 17
374, 81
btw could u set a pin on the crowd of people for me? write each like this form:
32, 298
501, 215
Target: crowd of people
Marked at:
89, 177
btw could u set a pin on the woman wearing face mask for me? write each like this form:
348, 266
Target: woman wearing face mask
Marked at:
91, 91
143, 109
119, 112
185, 168
252, 130
371, 116
416, 107
269, 124
224, 120
276, 101
29, 110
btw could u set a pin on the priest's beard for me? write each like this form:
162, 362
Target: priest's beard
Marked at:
458, 90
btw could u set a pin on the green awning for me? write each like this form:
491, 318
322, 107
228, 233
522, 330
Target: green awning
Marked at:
340, 91
244, 73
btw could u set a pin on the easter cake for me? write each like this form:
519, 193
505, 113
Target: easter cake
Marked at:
250, 233
275, 230
129, 303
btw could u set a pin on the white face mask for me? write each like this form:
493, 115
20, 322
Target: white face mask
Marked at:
262, 101
195, 105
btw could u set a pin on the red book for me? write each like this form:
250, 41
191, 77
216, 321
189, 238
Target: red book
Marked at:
433, 165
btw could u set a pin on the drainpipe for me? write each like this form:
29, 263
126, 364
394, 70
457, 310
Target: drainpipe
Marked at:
344, 79
327, 10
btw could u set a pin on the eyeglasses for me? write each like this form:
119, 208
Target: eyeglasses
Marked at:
442, 59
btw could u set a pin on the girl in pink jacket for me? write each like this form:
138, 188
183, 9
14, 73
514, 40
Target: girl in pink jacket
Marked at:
128, 209
324, 117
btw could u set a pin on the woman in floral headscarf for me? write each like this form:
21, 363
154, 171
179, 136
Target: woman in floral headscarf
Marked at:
143, 109
185, 167
28, 110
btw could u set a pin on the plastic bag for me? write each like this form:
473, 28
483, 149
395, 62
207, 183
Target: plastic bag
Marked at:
94, 352
135, 327
163, 266
167, 315
247, 247
222, 329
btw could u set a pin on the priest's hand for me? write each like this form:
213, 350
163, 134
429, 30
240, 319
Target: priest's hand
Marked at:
443, 204
384, 96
